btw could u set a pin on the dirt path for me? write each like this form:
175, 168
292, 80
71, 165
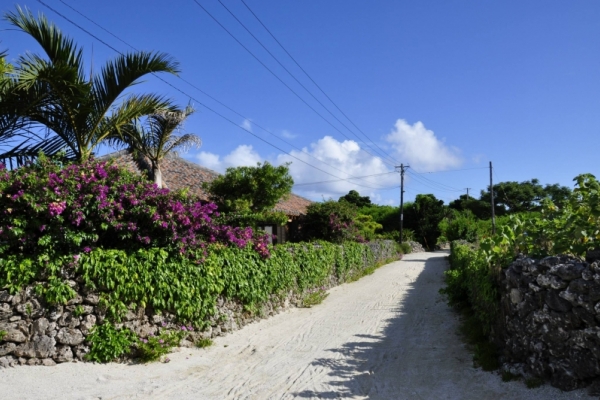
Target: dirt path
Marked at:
388, 336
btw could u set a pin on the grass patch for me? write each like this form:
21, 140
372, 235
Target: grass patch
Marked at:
204, 342
485, 354
314, 298
2, 334
533, 383
508, 376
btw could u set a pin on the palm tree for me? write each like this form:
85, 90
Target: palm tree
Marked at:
155, 138
81, 113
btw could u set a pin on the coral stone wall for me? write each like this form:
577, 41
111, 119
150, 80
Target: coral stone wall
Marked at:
35, 333
551, 311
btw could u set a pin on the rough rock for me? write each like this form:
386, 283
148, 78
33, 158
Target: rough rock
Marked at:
44, 346
70, 336
63, 354
15, 335
5, 311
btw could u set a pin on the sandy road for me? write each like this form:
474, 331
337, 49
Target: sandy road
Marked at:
388, 336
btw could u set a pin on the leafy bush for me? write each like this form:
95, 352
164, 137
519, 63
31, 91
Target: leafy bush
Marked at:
331, 221
471, 283
154, 347
459, 225
314, 297
108, 343
50, 210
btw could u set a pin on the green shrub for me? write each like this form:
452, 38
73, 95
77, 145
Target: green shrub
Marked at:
314, 297
472, 283
204, 342
154, 347
108, 343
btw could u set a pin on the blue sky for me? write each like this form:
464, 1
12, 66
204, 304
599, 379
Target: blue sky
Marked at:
438, 85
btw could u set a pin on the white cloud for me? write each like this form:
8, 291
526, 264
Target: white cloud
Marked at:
288, 135
420, 148
247, 125
344, 159
243, 155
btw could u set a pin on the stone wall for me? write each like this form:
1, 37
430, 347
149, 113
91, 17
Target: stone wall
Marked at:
40, 334
551, 315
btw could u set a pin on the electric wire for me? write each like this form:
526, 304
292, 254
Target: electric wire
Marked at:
199, 102
282, 82
211, 97
433, 184
298, 81
339, 180
311, 79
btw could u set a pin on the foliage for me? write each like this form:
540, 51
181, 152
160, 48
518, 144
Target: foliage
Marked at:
154, 277
460, 225
331, 221
250, 189
204, 342
387, 216
366, 227
404, 248
253, 220
154, 347
155, 138
485, 353
471, 283
424, 218
80, 111
513, 198
355, 198
314, 296
108, 343
51, 211
2, 334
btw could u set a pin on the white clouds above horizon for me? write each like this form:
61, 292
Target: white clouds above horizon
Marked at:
243, 155
420, 148
413, 144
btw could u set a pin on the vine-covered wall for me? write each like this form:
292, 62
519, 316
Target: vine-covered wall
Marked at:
147, 292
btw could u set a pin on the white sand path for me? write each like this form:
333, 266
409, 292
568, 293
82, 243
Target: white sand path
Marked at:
388, 336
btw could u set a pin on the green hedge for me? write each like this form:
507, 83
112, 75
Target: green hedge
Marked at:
172, 282
471, 282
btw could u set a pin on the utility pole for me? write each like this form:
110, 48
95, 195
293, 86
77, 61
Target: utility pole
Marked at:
468, 192
492, 201
402, 169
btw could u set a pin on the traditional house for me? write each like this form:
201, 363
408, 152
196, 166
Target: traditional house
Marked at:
178, 173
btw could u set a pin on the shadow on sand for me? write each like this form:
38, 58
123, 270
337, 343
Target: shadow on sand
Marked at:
377, 365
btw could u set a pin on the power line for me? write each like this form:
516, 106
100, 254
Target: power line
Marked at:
198, 101
433, 184
339, 180
281, 80
296, 79
309, 77
449, 170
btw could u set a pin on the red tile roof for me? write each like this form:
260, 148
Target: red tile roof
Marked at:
178, 173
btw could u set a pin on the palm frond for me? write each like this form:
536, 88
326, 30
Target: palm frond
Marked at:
125, 71
59, 48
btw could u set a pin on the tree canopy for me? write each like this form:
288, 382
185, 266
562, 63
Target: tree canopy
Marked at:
79, 110
250, 189
355, 198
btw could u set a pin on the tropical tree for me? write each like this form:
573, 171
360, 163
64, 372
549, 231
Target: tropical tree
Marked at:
250, 189
156, 137
79, 112
355, 198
